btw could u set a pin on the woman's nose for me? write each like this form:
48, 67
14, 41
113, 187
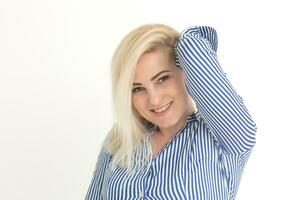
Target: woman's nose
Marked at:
154, 98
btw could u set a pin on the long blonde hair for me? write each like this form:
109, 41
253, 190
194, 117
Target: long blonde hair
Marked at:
124, 139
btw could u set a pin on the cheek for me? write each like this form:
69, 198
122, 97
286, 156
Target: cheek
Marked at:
138, 102
182, 96
179, 88
139, 106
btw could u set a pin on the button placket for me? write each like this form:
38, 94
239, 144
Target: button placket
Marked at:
150, 172
144, 181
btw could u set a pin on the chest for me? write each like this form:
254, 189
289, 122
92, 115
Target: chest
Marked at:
186, 168
158, 143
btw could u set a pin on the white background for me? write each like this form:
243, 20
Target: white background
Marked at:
55, 98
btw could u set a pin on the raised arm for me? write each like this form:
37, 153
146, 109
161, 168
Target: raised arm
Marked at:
221, 108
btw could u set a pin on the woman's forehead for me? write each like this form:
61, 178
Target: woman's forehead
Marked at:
158, 59
144, 73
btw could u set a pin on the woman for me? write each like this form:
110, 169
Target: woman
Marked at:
181, 130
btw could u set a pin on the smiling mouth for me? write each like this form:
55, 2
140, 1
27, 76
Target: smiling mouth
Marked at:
162, 109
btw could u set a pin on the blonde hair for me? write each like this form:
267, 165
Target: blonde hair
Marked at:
124, 139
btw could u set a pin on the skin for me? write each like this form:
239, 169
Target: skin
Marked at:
159, 84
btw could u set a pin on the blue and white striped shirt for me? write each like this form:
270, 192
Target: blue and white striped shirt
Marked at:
205, 160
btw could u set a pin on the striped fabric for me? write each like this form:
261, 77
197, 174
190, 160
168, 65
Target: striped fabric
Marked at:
205, 160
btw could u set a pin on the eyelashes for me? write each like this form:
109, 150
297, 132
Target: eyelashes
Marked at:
159, 81
164, 78
137, 89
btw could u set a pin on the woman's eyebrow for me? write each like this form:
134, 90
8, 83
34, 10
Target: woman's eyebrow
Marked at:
159, 73
154, 77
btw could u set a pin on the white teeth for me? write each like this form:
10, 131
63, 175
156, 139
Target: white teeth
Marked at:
162, 109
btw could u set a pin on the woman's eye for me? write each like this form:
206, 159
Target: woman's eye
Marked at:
137, 89
162, 79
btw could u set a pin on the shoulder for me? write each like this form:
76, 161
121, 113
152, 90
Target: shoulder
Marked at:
199, 126
104, 159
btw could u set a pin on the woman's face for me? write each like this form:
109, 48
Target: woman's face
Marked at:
158, 92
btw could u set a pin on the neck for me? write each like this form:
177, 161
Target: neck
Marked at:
172, 131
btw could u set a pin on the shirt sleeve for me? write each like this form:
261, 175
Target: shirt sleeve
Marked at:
221, 108
95, 188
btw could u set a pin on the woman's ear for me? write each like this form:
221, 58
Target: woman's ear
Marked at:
191, 105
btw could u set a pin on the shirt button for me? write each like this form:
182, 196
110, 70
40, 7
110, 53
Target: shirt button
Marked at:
141, 194
241, 98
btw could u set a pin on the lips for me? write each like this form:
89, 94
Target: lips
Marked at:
162, 109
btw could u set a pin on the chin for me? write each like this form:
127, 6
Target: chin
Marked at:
171, 120
168, 123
